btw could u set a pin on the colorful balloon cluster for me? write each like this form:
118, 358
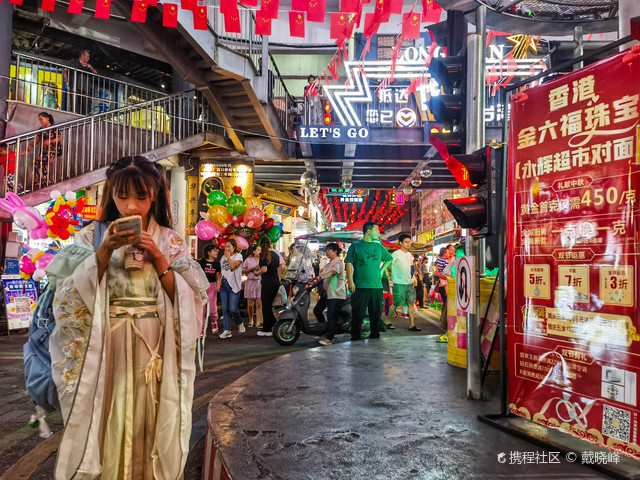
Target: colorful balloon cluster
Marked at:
237, 217
34, 263
62, 216
25, 218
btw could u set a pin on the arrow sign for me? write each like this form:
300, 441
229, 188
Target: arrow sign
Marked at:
465, 285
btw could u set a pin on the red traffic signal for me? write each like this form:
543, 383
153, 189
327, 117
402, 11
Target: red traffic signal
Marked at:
449, 72
469, 212
469, 170
473, 171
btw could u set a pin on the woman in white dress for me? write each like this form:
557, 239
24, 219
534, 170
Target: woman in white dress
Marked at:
123, 348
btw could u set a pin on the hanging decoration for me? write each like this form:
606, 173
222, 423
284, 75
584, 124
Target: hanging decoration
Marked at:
237, 217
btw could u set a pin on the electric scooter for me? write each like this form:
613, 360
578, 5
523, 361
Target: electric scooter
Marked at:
294, 319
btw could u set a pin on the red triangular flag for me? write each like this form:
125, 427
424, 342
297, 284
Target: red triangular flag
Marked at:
200, 20
431, 11
263, 23
411, 25
169, 15
326, 80
349, 6
371, 24
248, 3
381, 11
269, 9
338, 25
300, 5
335, 76
316, 10
296, 24
395, 6
103, 9
232, 22
48, 5
188, 4
228, 6
75, 6
139, 11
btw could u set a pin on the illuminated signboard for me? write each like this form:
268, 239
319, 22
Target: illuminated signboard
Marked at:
362, 101
574, 255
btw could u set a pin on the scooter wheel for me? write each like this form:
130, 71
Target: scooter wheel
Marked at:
286, 332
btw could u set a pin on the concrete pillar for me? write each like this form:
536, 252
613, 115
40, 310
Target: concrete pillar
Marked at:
627, 9
6, 21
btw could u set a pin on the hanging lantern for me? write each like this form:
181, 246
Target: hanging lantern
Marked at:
416, 182
425, 172
309, 179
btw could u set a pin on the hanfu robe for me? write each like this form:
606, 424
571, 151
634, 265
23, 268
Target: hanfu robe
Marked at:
123, 361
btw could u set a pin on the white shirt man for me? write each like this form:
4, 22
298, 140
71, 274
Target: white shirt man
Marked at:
404, 292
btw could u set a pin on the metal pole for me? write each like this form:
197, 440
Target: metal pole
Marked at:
578, 46
627, 9
502, 233
264, 66
6, 21
475, 140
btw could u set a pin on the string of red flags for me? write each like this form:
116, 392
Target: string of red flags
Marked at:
342, 23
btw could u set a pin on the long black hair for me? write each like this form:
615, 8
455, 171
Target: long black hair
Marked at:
47, 115
265, 253
141, 176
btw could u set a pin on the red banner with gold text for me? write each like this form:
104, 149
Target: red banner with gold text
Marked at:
573, 247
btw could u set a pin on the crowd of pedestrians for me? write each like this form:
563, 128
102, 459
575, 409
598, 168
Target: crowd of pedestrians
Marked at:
365, 272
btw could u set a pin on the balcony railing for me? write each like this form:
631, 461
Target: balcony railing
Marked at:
41, 82
246, 42
51, 155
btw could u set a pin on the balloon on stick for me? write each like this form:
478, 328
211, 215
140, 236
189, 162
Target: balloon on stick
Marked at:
206, 230
242, 243
217, 197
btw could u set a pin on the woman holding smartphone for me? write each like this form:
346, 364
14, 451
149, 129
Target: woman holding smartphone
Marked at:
231, 267
251, 268
123, 348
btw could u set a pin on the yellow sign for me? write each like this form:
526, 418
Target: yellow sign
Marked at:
616, 285
573, 285
537, 281
192, 203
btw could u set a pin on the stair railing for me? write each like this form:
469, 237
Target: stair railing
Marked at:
60, 152
40, 81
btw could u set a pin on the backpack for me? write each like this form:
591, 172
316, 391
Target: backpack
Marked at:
37, 359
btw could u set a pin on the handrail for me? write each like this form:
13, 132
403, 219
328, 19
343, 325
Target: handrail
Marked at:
40, 81
60, 152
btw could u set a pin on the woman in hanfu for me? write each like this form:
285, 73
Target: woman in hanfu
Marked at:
123, 348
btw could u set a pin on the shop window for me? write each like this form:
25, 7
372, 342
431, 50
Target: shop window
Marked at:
386, 44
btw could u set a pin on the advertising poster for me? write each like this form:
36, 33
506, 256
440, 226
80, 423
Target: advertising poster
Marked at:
574, 191
20, 298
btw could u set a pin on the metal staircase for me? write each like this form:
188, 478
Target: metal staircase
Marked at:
225, 68
156, 129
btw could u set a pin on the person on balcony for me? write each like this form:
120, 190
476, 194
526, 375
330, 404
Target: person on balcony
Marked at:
51, 141
8, 161
79, 82
313, 101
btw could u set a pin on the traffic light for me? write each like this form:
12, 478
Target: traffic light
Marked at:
475, 171
327, 113
449, 104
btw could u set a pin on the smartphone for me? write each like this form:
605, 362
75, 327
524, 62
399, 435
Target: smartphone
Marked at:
133, 222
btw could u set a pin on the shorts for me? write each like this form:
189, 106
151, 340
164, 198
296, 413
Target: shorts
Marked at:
403, 294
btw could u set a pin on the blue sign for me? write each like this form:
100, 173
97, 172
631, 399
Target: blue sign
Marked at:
332, 134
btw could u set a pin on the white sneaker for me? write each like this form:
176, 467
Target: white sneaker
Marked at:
264, 334
241, 328
225, 334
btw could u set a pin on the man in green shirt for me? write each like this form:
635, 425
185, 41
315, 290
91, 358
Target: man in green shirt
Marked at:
367, 260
